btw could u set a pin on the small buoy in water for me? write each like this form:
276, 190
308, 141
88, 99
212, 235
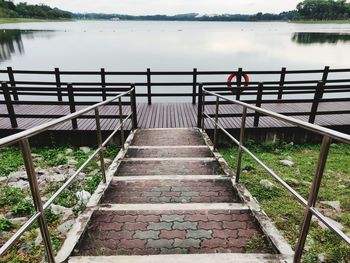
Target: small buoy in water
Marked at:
179, 30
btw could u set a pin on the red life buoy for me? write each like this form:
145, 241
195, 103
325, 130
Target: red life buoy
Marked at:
235, 75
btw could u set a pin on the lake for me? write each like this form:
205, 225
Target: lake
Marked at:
137, 45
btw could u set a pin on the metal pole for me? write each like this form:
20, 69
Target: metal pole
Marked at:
99, 143
241, 141
194, 88
133, 107
33, 183
203, 110
326, 142
200, 108
216, 122
121, 123
9, 105
149, 87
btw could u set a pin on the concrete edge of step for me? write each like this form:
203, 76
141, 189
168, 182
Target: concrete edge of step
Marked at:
183, 258
181, 159
78, 228
170, 177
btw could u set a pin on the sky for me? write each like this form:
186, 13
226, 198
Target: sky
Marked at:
170, 7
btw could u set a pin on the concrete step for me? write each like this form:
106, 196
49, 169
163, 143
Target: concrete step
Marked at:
168, 137
168, 152
169, 167
152, 232
170, 191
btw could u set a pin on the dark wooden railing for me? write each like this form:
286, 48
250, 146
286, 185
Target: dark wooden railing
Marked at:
281, 86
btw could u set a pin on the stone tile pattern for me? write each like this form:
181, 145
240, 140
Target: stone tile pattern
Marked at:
171, 191
174, 137
169, 152
173, 167
169, 232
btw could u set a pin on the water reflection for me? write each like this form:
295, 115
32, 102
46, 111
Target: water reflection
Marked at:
11, 41
306, 38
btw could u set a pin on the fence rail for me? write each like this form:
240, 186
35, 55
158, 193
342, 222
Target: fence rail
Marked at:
23, 139
328, 136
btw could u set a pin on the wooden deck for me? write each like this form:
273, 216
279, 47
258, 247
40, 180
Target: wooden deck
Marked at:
175, 115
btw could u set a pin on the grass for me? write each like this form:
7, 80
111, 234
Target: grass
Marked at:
20, 20
286, 212
321, 22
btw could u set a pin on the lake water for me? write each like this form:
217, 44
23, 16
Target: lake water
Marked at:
136, 45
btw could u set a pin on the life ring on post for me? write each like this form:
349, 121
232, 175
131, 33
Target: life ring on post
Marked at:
235, 75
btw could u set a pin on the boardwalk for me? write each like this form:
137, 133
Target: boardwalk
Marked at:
176, 115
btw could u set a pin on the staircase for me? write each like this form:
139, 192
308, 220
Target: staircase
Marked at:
173, 200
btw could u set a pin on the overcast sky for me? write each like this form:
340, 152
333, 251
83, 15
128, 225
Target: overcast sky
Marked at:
137, 7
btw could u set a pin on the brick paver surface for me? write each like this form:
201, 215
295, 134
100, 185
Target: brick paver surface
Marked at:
169, 232
171, 191
169, 152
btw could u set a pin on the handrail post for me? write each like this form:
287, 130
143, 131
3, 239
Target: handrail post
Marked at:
258, 104
99, 144
33, 183
200, 108
241, 142
149, 86
72, 104
318, 95
9, 105
103, 84
203, 110
121, 123
133, 107
239, 83
194, 89
325, 77
216, 122
281, 84
12, 82
58, 84
312, 197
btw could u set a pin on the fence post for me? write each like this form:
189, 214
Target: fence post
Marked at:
241, 141
282, 79
12, 83
325, 77
258, 103
99, 144
312, 197
194, 89
239, 83
133, 107
200, 106
121, 123
216, 122
316, 101
9, 105
103, 84
33, 183
72, 104
149, 87
58, 84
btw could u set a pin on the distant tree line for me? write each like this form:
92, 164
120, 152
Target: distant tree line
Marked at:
324, 9
23, 10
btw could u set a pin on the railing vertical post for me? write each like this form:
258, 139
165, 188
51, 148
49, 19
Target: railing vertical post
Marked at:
99, 144
133, 107
316, 101
216, 122
9, 104
325, 77
33, 183
312, 197
12, 82
241, 142
203, 110
58, 84
149, 86
239, 83
281, 84
121, 123
258, 104
103, 84
194, 89
72, 104
200, 106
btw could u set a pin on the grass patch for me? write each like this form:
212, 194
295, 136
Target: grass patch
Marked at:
20, 20
321, 22
286, 212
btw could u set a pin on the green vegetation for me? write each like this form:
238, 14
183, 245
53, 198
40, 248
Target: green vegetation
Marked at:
324, 10
20, 20
284, 210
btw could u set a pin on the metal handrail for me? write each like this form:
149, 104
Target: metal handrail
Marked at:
328, 136
23, 138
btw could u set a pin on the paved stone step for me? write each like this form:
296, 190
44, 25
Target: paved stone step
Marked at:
169, 167
171, 191
166, 152
168, 137
172, 232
